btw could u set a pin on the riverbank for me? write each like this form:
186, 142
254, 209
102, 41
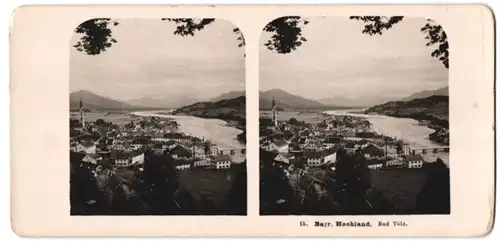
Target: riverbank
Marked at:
215, 130
440, 133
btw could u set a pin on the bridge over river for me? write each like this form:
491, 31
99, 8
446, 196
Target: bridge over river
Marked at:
441, 149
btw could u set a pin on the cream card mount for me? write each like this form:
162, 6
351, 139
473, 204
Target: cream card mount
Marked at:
327, 120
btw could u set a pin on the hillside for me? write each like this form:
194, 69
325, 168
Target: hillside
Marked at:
354, 102
228, 110
94, 102
228, 95
433, 109
427, 93
285, 100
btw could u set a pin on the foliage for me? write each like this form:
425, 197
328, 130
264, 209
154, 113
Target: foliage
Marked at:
352, 180
287, 34
376, 25
96, 36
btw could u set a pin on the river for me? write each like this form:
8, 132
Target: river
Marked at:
402, 128
214, 130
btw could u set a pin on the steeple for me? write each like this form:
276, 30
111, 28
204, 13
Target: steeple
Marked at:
275, 114
82, 114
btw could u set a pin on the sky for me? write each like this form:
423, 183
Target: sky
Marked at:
150, 61
339, 61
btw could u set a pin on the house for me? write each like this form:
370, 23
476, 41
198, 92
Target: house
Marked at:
395, 163
391, 152
174, 136
372, 151
406, 149
199, 152
279, 146
201, 163
222, 162
86, 147
92, 158
330, 157
313, 159
302, 142
182, 164
350, 147
169, 144
284, 158
121, 147
313, 145
415, 161
121, 160
349, 135
136, 158
374, 164
112, 134
213, 149
331, 141
180, 152
158, 148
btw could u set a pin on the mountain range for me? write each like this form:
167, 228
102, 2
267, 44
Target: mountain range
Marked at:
282, 99
286, 100
93, 101
427, 93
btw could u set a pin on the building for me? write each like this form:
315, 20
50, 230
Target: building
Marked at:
158, 148
331, 141
121, 160
136, 158
313, 159
284, 158
213, 149
180, 152
92, 158
406, 149
86, 147
330, 158
415, 161
313, 145
374, 164
222, 162
82, 114
182, 165
201, 163
396, 163
350, 147
372, 152
275, 114
279, 146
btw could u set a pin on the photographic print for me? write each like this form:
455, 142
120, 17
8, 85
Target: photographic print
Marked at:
354, 116
157, 118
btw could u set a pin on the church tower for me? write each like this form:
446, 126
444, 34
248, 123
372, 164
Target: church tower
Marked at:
275, 114
82, 114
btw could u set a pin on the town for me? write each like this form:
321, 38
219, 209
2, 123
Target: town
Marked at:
123, 151
310, 157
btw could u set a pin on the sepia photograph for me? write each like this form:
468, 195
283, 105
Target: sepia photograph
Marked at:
157, 118
354, 116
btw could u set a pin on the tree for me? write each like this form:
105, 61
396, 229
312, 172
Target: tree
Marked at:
352, 180
286, 33
97, 33
434, 198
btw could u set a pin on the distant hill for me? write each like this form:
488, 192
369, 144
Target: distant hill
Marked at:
95, 102
354, 102
167, 102
433, 109
427, 93
286, 100
230, 109
228, 95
